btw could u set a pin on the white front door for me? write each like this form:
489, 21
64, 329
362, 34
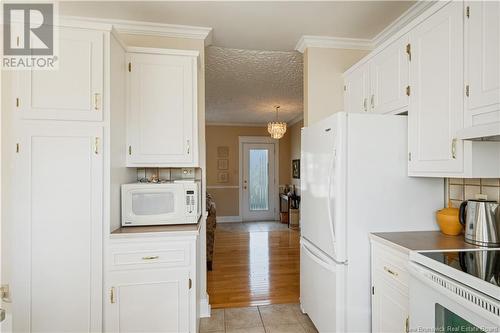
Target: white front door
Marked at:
258, 182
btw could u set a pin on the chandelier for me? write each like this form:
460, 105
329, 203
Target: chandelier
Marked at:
276, 128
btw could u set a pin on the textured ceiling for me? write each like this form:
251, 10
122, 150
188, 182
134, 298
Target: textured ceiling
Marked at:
243, 86
254, 25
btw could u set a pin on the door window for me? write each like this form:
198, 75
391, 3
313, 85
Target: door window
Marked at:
258, 181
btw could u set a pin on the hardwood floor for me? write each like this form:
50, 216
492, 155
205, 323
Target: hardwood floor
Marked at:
254, 263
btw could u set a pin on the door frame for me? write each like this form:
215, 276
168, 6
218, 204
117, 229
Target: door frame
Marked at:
259, 139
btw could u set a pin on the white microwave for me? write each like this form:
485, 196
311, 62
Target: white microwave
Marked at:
161, 203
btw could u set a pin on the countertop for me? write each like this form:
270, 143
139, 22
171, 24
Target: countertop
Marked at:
421, 241
177, 229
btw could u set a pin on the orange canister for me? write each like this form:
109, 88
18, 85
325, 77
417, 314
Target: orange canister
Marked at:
447, 219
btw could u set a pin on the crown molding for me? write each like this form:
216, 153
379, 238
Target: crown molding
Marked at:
296, 120
236, 124
403, 20
152, 29
333, 43
365, 44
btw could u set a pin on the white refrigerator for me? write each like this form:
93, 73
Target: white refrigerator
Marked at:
354, 181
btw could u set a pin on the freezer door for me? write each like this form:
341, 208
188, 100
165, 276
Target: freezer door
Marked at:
322, 289
322, 186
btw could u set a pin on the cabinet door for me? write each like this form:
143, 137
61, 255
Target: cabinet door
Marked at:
162, 110
74, 90
389, 78
148, 301
357, 87
57, 278
482, 50
436, 100
389, 305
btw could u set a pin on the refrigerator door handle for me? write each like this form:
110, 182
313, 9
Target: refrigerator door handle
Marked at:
329, 197
318, 259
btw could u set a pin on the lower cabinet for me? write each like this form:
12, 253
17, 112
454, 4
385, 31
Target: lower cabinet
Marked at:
390, 290
151, 284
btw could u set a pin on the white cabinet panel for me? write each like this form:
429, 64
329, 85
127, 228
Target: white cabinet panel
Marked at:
482, 52
57, 279
357, 90
148, 301
74, 90
390, 306
436, 101
162, 110
389, 78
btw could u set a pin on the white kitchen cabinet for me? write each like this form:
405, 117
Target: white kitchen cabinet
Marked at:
73, 91
380, 84
151, 282
482, 63
436, 100
357, 89
56, 281
390, 289
389, 71
162, 108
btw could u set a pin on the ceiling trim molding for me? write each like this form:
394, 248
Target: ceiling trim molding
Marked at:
308, 41
403, 20
296, 120
153, 28
365, 44
236, 124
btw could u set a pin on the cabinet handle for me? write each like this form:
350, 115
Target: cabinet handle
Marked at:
407, 324
150, 257
112, 296
188, 147
372, 101
388, 270
96, 146
96, 101
454, 148
365, 105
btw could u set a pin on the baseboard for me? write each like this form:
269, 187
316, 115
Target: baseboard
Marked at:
229, 219
205, 308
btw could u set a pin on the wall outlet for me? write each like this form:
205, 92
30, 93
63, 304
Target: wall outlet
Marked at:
187, 173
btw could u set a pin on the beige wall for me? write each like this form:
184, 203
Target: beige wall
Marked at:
323, 82
226, 195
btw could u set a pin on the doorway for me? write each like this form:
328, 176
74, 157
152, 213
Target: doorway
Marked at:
258, 178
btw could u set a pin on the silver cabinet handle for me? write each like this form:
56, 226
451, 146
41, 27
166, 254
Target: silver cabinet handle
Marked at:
97, 98
150, 258
365, 107
390, 271
188, 147
372, 101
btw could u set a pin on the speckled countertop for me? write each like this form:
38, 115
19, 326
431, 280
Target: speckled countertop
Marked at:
421, 241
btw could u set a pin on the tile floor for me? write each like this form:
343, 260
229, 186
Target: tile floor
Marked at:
276, 318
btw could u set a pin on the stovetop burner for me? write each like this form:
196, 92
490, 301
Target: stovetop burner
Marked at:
483, 264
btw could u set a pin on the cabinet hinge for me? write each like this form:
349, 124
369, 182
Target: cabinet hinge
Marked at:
407, 324
408, 90
409, 156
467, 90
17, 147
373, 290
130, 67
17, 102
130, 150
190, 283
96, 145
408, 51
467, 11
17, 41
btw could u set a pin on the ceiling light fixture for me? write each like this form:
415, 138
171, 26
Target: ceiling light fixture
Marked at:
276, 128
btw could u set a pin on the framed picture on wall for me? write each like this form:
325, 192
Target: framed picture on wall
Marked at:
223, 151
296, 169
222, 164
222, 177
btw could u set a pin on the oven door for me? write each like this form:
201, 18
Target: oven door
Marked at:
440, 304
153, 204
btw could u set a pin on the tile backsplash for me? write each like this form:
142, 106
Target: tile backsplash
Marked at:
464, 189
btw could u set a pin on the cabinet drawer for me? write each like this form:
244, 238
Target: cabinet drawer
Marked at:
155, 255
392, 264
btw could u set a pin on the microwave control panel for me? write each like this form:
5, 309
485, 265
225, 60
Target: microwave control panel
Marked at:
190, 202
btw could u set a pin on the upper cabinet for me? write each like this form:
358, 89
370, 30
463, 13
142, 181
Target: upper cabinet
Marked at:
73, 91
162, 108
482, 65
380, 84
436, 102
